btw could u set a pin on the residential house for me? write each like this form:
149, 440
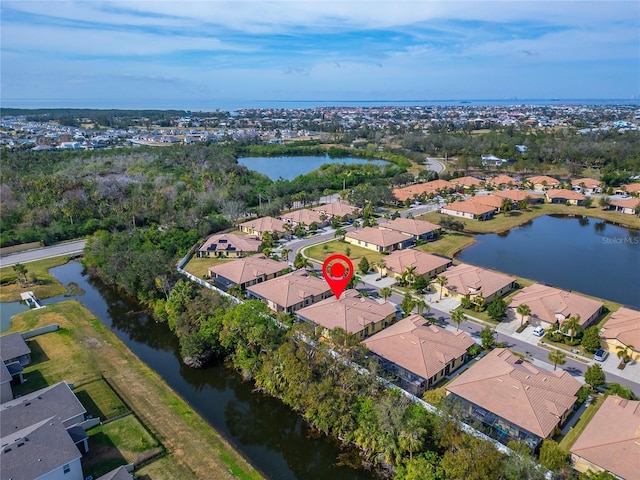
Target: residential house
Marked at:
419, 353
418, 229
503, 181
15, 354
246, 271
341, 210
490, 160
622, 330
305, 217
627, 206
586, 185
469, 209
487, 200
518, 195
516, 399
6, 392
229, 245
427, 264
43, 450
467, 182
611, 440
290, 292
360, 316
564, 196
551, 306
631, 189
543, 182
428, 188
468, 280
258, 226
119, 473
379, 240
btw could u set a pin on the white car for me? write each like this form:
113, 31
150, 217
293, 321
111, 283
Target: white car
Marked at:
538, 331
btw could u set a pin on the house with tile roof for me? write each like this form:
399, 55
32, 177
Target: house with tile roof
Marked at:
428, 188
246, 271
628, 205
468, 280
543, 182
305, 216
551, 306
418, 353
587, 185
379, 240
342, 210
360, 316
467, 182
418, 229
488, 200
469, 209
564, 196
428, 264
611, 440
518, 195
290, 292
258, 226
503, 181
229, 245
515, 398
621, 330
631, 188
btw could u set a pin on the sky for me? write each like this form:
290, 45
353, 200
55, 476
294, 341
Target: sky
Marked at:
184, 54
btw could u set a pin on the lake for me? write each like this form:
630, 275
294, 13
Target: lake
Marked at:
274, 439
290, 167
586, 255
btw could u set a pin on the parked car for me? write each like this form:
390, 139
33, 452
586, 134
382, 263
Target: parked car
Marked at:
600, 355
538, 331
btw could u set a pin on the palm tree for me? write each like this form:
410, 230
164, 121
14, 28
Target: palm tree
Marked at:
442, 281
380, 265
523, 310
408, 276
572, 326
421, 305
507, 205
285, 254
624, 353
340, 233
557, 357
355, 280
385, 292
458, 317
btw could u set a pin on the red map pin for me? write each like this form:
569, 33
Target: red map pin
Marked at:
337, 271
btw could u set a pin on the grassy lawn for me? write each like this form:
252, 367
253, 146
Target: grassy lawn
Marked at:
319, 254
503, 222
99, 400
200, 266
570, 438
84, 348
47, 286
448, 244
117, 443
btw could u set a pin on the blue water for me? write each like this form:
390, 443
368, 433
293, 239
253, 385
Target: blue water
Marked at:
289, 168
237, 104
581, 254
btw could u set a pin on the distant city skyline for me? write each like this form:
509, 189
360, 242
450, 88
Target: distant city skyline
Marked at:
141, 54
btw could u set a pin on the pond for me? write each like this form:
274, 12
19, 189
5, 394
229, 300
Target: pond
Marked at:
290, 167
272, 437
583, 254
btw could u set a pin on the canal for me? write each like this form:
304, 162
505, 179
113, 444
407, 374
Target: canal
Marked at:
272, 437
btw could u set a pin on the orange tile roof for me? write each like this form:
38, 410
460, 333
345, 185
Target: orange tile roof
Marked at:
352, 312
626, 203
467, 206
429, 187
490, 200
467, 181
400, 260
410, 226
290, 289
378, 236
541, 179
632, 187
264, 224
527, 396
588, 182
419, 347
468, 279
339, 209
611, 440
502, 180
551, 304
303, 215
515, 195
248, 268
231, 243
624, 325
563, 193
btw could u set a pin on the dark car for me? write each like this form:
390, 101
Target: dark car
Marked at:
600, 355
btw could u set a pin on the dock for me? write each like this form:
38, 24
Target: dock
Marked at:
30, 299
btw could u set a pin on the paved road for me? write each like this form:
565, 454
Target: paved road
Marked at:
69, 248
435, 164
